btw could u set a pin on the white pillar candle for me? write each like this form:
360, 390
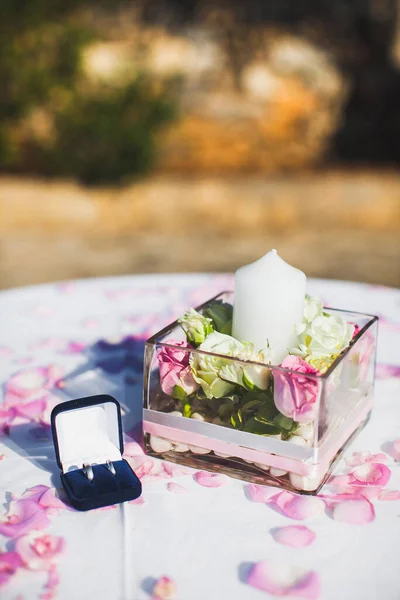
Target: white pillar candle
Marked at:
269, 302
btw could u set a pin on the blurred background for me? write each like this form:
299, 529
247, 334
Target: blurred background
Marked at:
184, 135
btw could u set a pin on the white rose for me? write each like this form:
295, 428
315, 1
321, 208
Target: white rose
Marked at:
218, 375
196, 326
312, 308
327, 335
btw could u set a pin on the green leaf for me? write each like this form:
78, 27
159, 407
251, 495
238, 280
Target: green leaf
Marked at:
187, 410
221, 315
254, 426
266, 414
251, 405
284, 422
237, 419
178, 393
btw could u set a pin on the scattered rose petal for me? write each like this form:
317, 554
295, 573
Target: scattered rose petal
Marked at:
295, 536
38, 550
144, 468
210, 480
51, 585
355, 511
164, 589
299, 507
9, 563
395, 450
389, 495
261, 493
370, 474
173, 470
132, 448
387, 371
176, 488
281, 579
5, 351
22, 516
139, 501
359, 458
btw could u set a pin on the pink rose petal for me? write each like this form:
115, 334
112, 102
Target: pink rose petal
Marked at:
9, 563
370, 474
164, 589
395, 450
210, 480
173, 470
299, 507
359, 458
176, 488
22, 516
139, 501
389, 495
356, 511
38, 550
261, 493
283, 580
295, 536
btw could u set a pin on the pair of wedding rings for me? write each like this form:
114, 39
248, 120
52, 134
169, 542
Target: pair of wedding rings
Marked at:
88, 469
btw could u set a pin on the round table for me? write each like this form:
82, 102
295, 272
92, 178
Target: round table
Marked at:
208, 538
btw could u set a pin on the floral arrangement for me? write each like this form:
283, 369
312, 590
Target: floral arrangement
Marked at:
241, 393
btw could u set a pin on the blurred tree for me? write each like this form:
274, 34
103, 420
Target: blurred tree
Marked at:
92, 134
107, 136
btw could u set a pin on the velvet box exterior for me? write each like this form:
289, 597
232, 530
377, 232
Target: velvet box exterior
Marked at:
89, 431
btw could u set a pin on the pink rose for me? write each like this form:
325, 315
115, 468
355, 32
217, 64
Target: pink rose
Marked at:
295, 396
175, 369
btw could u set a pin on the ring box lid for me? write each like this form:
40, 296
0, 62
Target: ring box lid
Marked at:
87, 430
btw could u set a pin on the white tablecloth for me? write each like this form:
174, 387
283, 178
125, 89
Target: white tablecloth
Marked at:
206, 539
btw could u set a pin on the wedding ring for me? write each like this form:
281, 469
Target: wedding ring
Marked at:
110, 467
87, 469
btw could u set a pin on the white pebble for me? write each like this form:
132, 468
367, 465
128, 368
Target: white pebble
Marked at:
263, 467
217, 421
298, 441
198, 450
159, 444
198, 417
306, 431
307, 484
176, 413
181, 448
277, 472
220, 454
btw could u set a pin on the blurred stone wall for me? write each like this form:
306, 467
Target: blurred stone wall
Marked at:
344, 225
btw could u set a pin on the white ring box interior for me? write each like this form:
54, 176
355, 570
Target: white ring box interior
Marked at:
88, 435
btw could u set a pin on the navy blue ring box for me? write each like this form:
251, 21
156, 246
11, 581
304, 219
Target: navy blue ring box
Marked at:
89, 430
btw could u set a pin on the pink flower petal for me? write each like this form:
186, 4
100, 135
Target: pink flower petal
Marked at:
370, 474
22, 516
139, 501
210, 480
295, 536
359, 458
51, 500
299, 507
357, 511
395, 450
38, 550
261, 493
389, 495
34, 493
173, 470
31, 410
176, 488
164, 589
283, 580
9, 563
132, 448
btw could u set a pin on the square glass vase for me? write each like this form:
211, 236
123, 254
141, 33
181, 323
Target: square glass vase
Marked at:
240, 431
